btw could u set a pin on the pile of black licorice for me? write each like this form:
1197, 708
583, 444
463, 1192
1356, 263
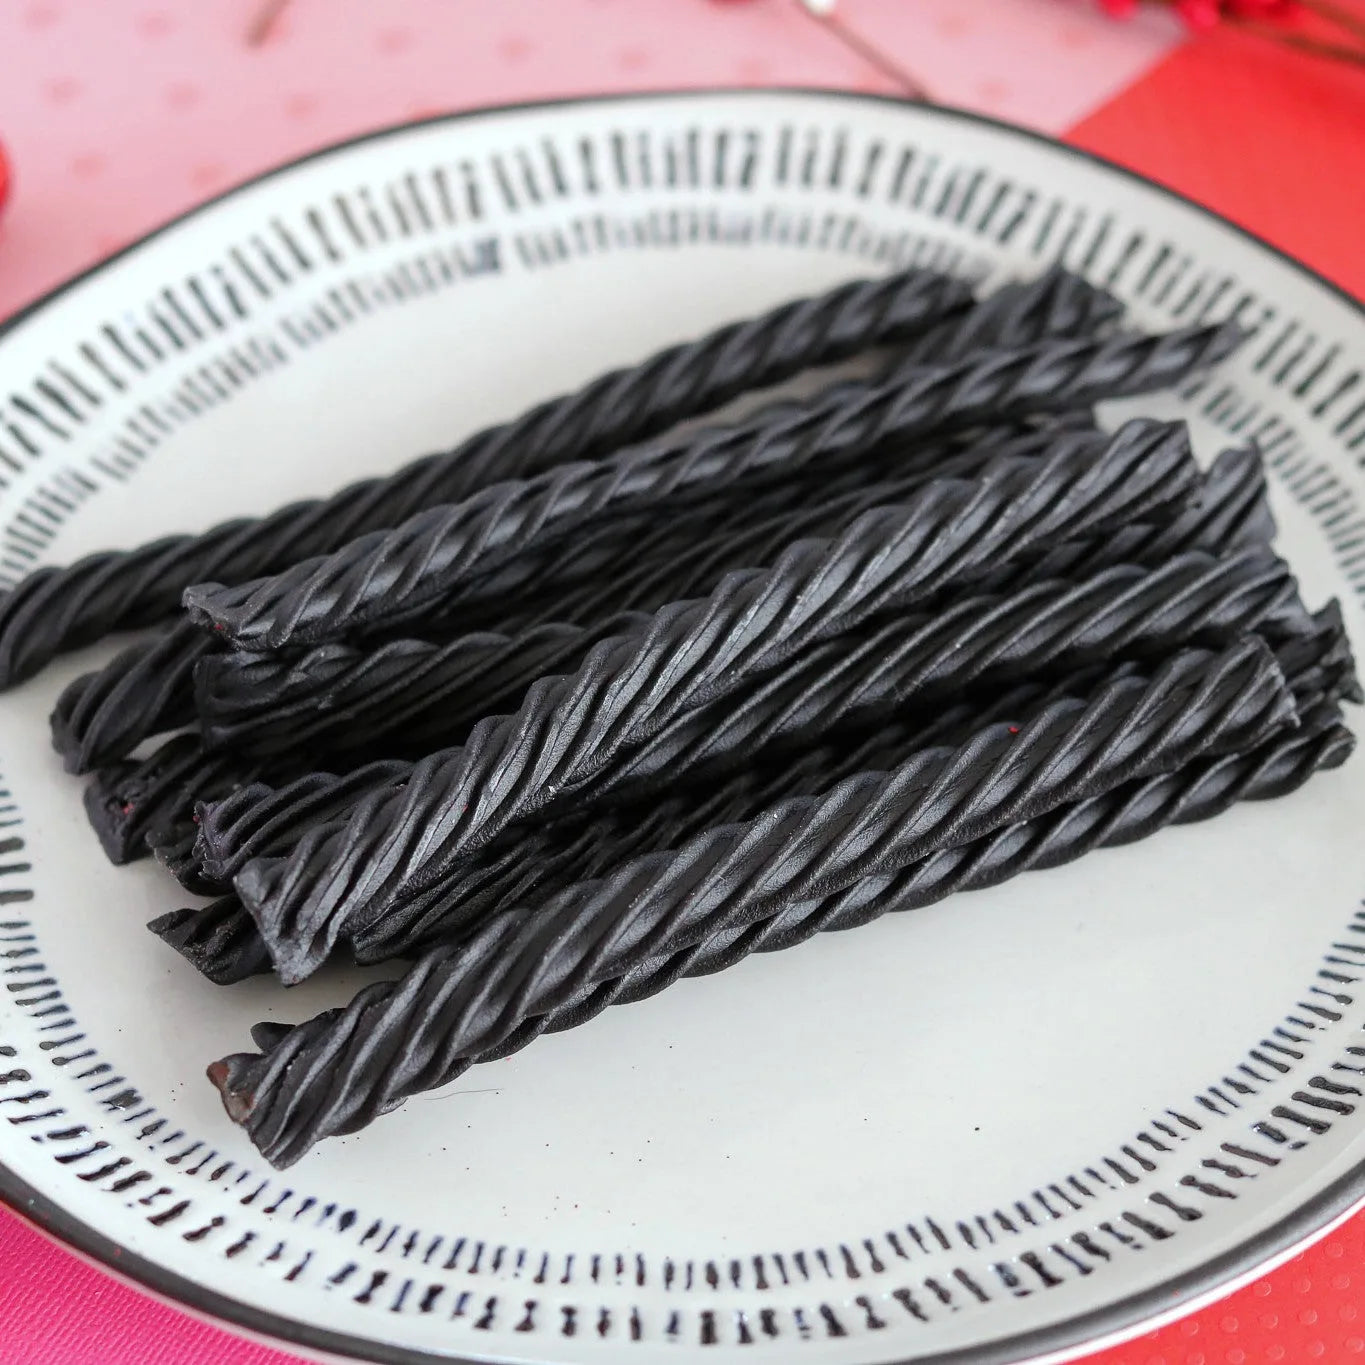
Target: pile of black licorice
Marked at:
582, 707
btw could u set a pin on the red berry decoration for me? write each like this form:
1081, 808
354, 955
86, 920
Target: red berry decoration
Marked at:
5, 177
1272, 20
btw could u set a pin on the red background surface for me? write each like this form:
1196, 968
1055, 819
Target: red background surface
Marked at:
1274, 141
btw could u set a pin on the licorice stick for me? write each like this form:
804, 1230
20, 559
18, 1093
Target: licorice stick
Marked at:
58, 609
1199, 791
1041, 629
690, 551
415, 695
382, 581
149, 688
102, 716
130, 802
1058, 303
457, 1003
912, 660
222, 942
144, 690
230, 851
259, 819
342, 696
1230, 512
570, 728
917, 657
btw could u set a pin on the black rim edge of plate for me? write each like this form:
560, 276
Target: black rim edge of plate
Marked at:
1312, 1216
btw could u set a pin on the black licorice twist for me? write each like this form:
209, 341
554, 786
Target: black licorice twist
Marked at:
259, 819
222, 942
1231, 511
568, 729
686, 554
146, 689
387, 579
149, 688
912, 660
337, 698
1042, 629
916, 657
1058, 303
458, 1003
1199, 791
1325, 672
131, 802
103, 716
58, 609
344, 696
219, 939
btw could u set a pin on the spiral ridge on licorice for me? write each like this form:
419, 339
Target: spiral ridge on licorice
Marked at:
694, 652
57, 609
463, 1000
388, 578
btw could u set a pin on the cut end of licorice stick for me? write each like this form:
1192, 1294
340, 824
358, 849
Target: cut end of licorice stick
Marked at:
231, 1078
218, 940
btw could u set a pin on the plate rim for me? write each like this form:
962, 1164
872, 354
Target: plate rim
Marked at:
1100, 1327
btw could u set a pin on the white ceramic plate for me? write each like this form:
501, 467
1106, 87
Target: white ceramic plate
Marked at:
998, 1129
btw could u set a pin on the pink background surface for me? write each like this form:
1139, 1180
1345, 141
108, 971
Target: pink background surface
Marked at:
118, 114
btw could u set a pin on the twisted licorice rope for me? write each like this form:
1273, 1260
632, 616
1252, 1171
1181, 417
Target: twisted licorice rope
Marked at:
147, 689
131, 802
382, 581
1040, 629
219, 939
230, 851
341, 697
1231, 511
667, 558
569, 729
532, 862
103, 716
1058, 303
258, 819
419, 696
1199, 791
57, 609
917, 657
144, 690
338, 1072
222, 942
1317, 664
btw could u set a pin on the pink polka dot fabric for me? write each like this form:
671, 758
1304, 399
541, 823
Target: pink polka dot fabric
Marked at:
120, 114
